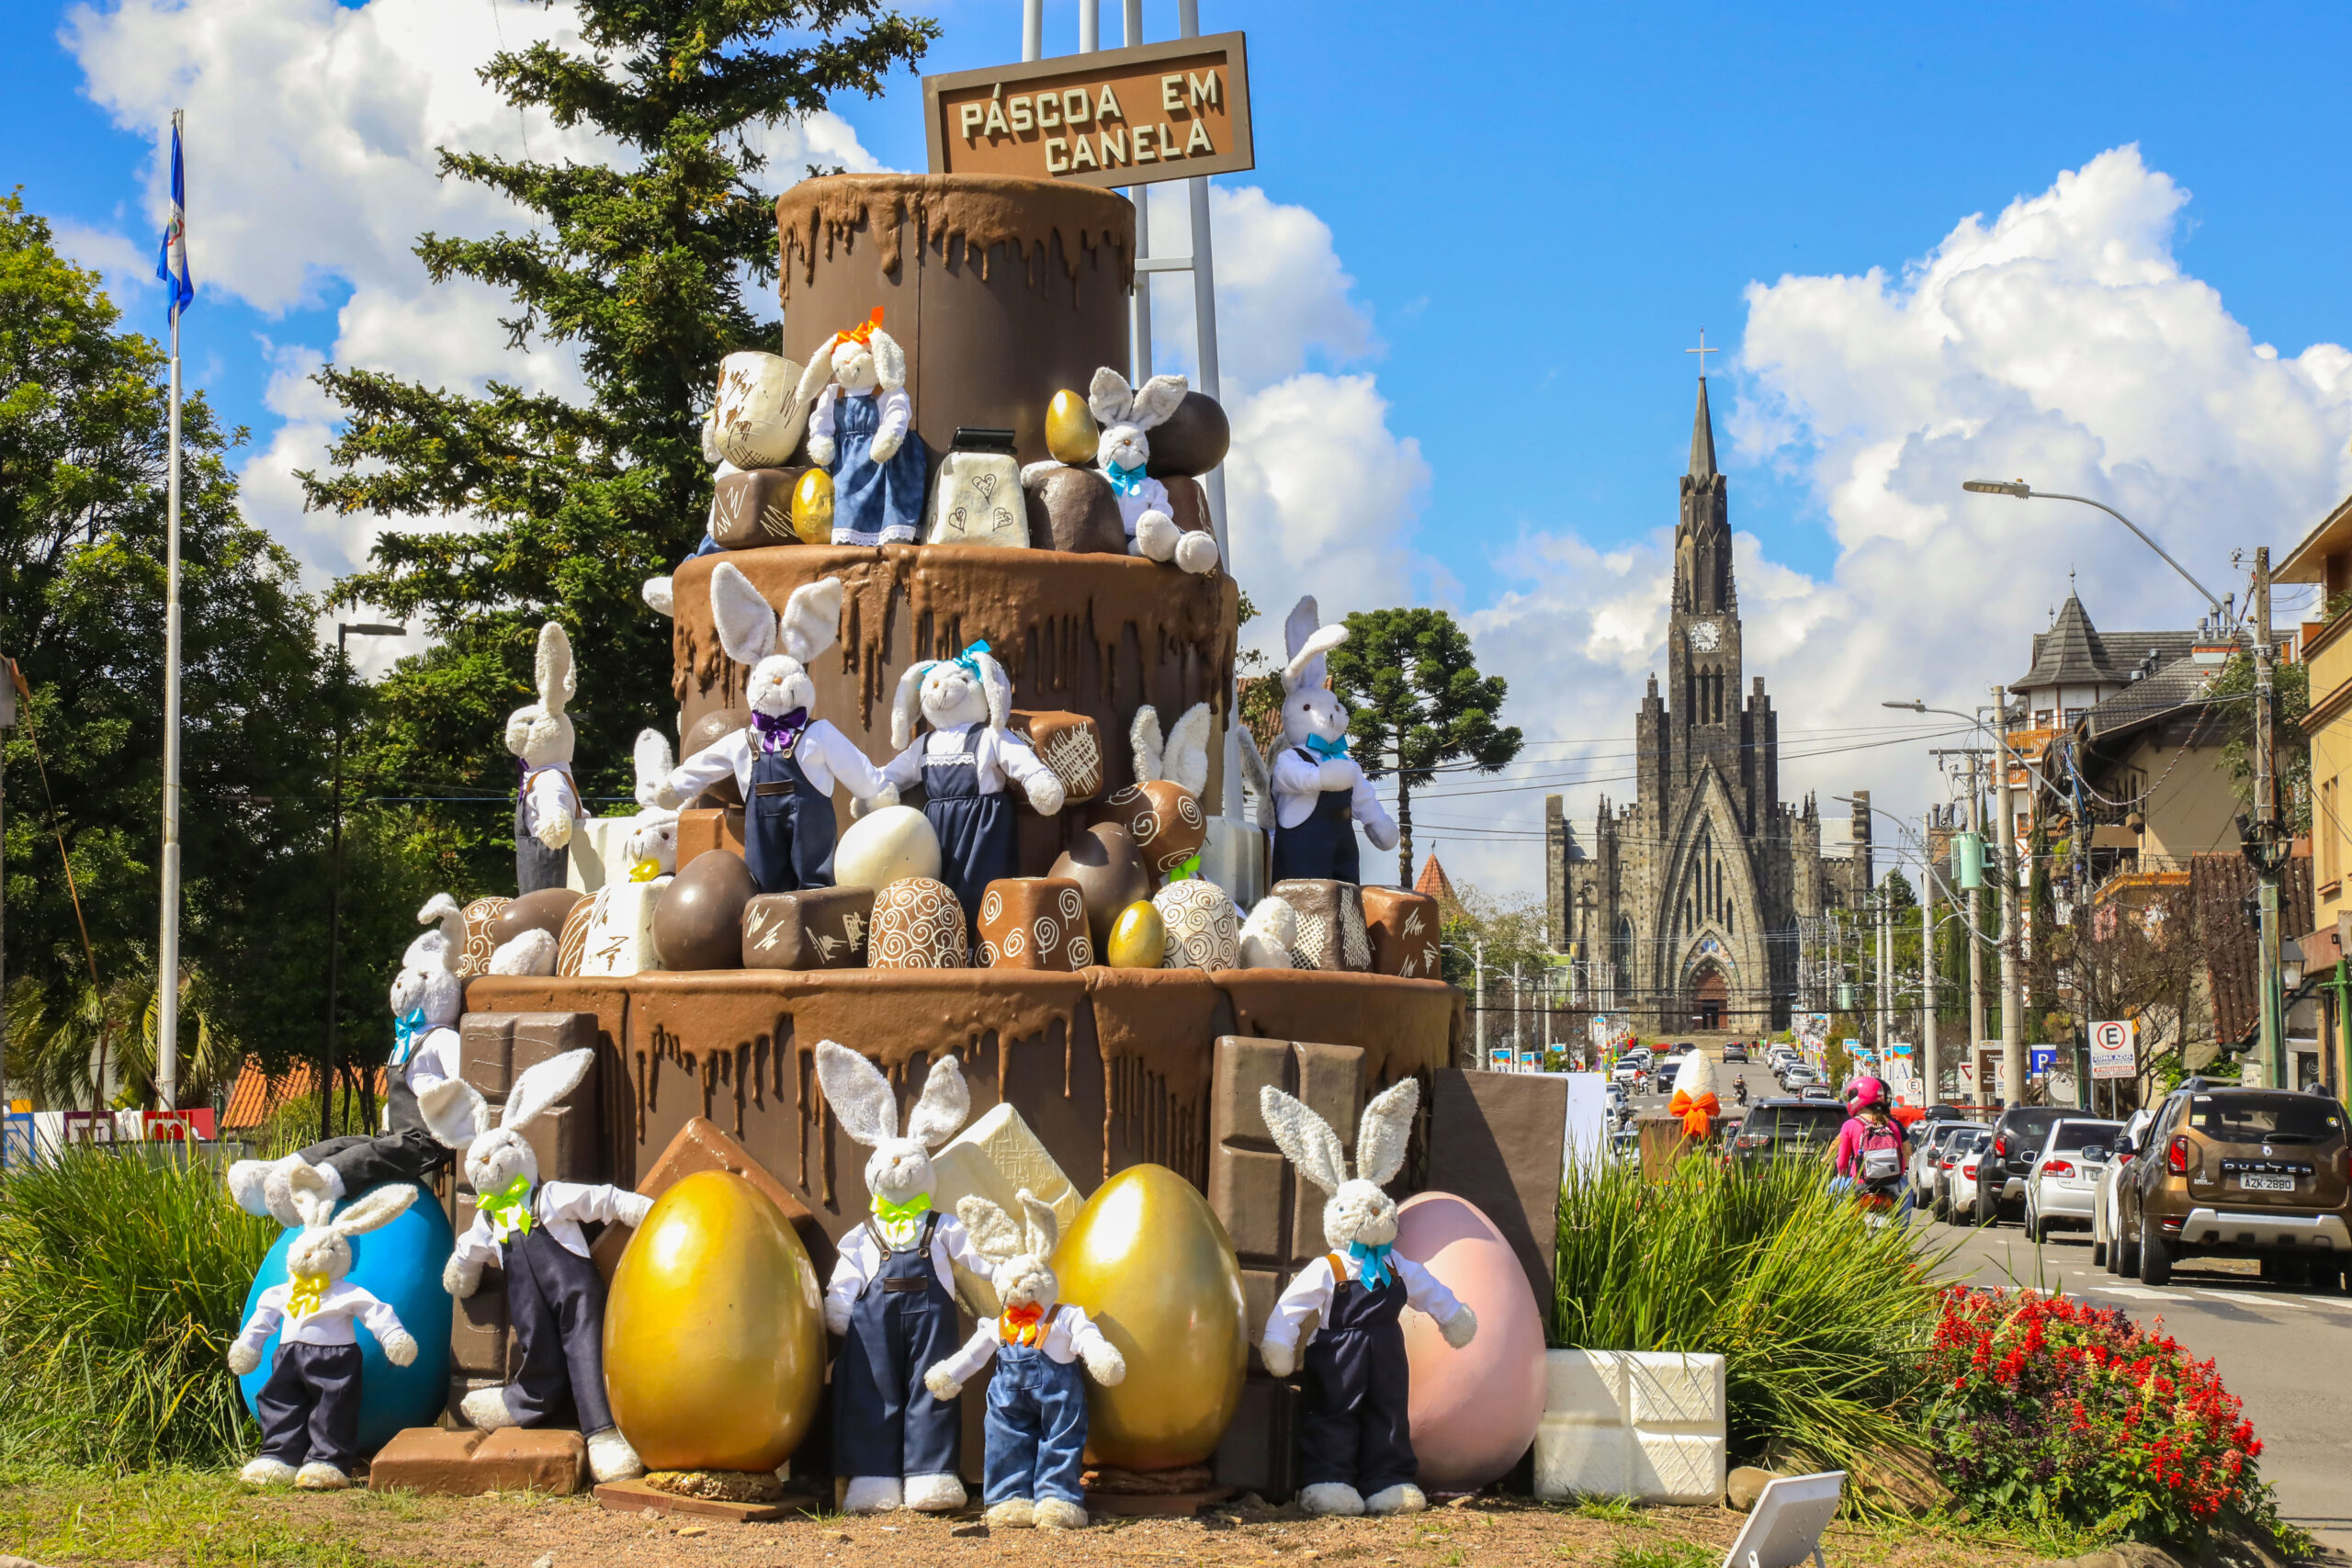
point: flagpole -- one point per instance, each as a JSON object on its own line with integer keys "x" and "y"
{"x": 167, "y": 959}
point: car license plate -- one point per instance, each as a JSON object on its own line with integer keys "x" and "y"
{"x": 2267, "y": 1184}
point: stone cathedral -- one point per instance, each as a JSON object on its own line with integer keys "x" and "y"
{"x": 1689, "y": 908}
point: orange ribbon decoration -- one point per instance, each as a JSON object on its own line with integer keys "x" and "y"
{"x": 1695, "y": 1113}
{"x": 1018, "y": 1326}
{"x": 861, "y": 334}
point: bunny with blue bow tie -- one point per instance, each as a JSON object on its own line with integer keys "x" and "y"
{"x": 1319, "y": 792}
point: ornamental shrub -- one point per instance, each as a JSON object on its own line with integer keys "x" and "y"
{"x": 2076, "y": 1415}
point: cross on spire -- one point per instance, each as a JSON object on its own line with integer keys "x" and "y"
{"x": 1703, "y": 351}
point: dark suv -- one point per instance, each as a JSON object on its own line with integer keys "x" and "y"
{"x": 1796, "y": 1129}
{"x": 2239, "y": 1173}
{"x": 2001, "y": 1170}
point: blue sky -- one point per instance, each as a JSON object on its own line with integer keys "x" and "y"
{"x": 1539, "y": 207}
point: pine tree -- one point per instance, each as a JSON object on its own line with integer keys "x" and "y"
{"x": 1419, "y": 704}
{"x": 648, "y": 267}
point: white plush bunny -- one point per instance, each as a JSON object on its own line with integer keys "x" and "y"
{"x": 1270, "y": 935}
{"x": 1319, "y": 791}
{"x": 1355, "y": 1295}
{"x": 1037, "y": 1415}
{"x": 309, "y": 1407}
{"x": 555, "y": 1297}
{"x": 788, "y": 761}
{"x": 892, "y": 1293}
{"x": 547, "y": 802}
{"x": 1122, "y": 451}
{"x": 860, "y": 430}
{"x": 651, "y": 847}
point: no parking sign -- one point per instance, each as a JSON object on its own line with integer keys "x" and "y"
{"x": 2111, "y": 1049}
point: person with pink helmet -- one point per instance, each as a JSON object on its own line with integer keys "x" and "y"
{"x": 1868, "y": 1158}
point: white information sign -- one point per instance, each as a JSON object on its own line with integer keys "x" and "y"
{"x": 2111, "y": 1049}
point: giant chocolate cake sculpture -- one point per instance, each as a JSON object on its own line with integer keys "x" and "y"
{"x": 1002, "y": 292}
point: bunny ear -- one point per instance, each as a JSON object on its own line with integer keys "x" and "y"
{"x": 314, "y": 1205}
{"x": 1158, "y": 399}
{"x": 1304, "y": 1138}
{"x": 652, "y": 759}
{"x": 710, "y": 452}
{"x": 991, "y": 1228}
{"x": 1187, "y": 757}
{"x": 552, "y": 669}
{"x": 1110, "y": 396}
{"x": 746, "y": 624}
{"x": 1300, "y": 625}
{"x": 1043, "y": 1227}
{"x": 1306, "y": 666}
{"x": 454, "y": 1112}
{"x": 812, "y": 618}
{"x": 536, "y": 1093}
{"x": 906, "y": 706}
{"x": 859, "y": 1094}
{"x": 945, "y": 1103}
{"x": 377, "y": 1207}
{"x": 889, "y": 359}
{"x": 1144, "y": 737}
{"x": 997, "y": 687}
{"x": 1386, "y": 1128}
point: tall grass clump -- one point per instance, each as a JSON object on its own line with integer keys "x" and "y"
{"x": 122, "y": 1278}
{"x": 1822, "y": 1321}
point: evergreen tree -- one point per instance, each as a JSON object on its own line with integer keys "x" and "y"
{"x": 1419, "y": 704}
{"x": 649, "y": 268}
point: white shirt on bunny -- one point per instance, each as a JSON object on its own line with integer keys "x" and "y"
{"x": 1309, "y": 1296}
{"x": 999, "y": 755}
{"x": 1298, "y": 784}
{"x": 896, "y": 412}
{"x": 329, "y": 1323}
{"x": 1067, "y": 1332}
{"x": 861, "y": 1255}
{"x": 823, "y": 752}
{"x": 561, "y": 1206}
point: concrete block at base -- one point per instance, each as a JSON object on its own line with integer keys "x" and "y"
{"x": 1577, "y": 1458}
{"x": 1589, "y": 1384}
{"x": 547, "y": 1461}
{"x": 1678, "y": 1467}
{"x": 425, "y": 1459}
{"x": 1641, "y": 1425}
{"x": 1674, "y": 1391}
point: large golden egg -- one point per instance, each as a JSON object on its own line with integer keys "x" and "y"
{"x": 812, "y": 507}
{"x": 1071, "y": 433}
{"x": 1149, "y": 1261}
{"x": 714, "y": 1331}
{"x": 1138, "y": 938}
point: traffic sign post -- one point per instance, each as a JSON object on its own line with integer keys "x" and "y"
{"x": 2111, "y": 1049}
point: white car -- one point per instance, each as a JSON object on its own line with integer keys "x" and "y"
{"x": 2103, "y": 1215}
{"x": 1927, "y": 1160}
{"x": 1627, "y": 1075}
{"x": 1958, "y": 1166}
{"x": 2062, "y": 1187}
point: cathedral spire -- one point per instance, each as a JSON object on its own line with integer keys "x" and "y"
{"x": 1702, "y": 438}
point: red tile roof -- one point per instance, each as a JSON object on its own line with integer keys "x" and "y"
{"x": 256, "y": 1096}
{"x": 1434, "y": 883}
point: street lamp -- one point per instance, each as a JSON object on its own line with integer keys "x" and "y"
{"x": 2025, "y": 491}
{"x": 344, "y": 632}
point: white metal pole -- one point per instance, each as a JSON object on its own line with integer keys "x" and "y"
{"x": 1032, "y": 30}
{"x": 1931, "y": 1061}
{"x": 167, "y": 949}
{"x": 1089, "y": 26}
{"x": 2012, "y": 992}
{"x": 1139, "y": 310}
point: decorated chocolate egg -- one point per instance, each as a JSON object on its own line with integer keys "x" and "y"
{"x": 1164, "y": 819}
{"x": 1109, "y": 872}
{"x": 1475, "y": 1410}
{"x": 1190, "y": 441}
{"x": 812, "y": 507}
{"x": 698, "y": 924}
{"x": 1201, "y": 932}
{"x": 1071, "y": 434}
{"x": 1151, "y": 1264}
{"x": 917, "y": 924}
{"x": 887, "y": 846}
{"x": 714, "y": 1331}
{"x": 401, "y": 1265}
{"x": 1138, "y": 938}
{"x": 545, "y": 911}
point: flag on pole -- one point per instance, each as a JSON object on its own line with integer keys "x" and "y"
{"x": 171, "y": 262}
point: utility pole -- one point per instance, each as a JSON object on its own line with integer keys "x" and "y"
{"x": 2268, "y": 849}
{"x": 1885, "y": 969}
{"x": 1976, "y": 923}
{"x": 1930, "y": 1064}
{"x": 2012, "y": 996}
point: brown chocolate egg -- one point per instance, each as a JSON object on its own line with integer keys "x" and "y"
{"x": 1138, "y": 938}
{"x": 545, "y": 911}
{"x": 1110, "y": 877}
{"x": 1162, "y": 818}
{"x": 812, "y": 507}
{"x": 714, "y": 1331}
{"x": 699, "y": 923}
{"x": 1071, "y": 434}
{"x": 1151, "y": 1264}
{"x": 1190, "y": 441}
{"x": 717, "y": 724}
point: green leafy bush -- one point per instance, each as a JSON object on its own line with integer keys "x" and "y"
{"x": 122, "y": 1278}
{"x": 1821, "y": 1319}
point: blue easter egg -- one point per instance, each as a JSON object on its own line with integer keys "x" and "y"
{"x": 401, "y": 1264}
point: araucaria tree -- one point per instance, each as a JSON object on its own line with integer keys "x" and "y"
{"x": 650, "y": 267}
{"x": 1420, "y": 705}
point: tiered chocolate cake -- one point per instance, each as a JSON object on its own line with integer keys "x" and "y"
{"x": 1002, "y": 293}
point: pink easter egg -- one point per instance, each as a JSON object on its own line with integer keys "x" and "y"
{"x": 1473, "y": 1411}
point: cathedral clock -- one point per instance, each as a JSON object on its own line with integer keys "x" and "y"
{"x": 1706, "y": 636}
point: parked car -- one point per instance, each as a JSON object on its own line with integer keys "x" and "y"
{"x": 1959, "y": 1166}
{"x": 1787, "y": 1128}
{"x": 1735, "y": 1052}
{"x": 1625, "y": 1146}
{"x": 2062, "y": 1187}
{"x": 1929, "y": 1142}
{"x": 2103, "y": 1229}
{"x": 1626, "y": 1075}
{"x": 2019, "y": 1134}
{"x": 2239, "y": 1173}
{"x": 1818, "y": 1091}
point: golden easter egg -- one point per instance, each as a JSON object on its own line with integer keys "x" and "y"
{"x": 812, "y": 507}
{"x": 1138, "y": 938}
{"x": 714, "y": 1331}
{"x": 1151, "y": 1264}
{"x": 1071, "y": 433}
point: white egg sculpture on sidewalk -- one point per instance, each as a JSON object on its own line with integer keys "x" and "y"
{"x": 1473, "y": 1411}
{"x": 885, "y": 846}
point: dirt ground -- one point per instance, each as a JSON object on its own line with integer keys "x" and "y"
{"x": 517, "y": 1531}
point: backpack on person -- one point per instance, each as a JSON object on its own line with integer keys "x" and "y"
{"x": 1878, "y": 1163}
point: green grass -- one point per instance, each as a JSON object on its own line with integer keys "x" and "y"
{"x": 1673, "y": 1554}
{"x": 1819, "y": 1318}
{"x": 193, "y": 1518}
{"x": 122, "y": 1279}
